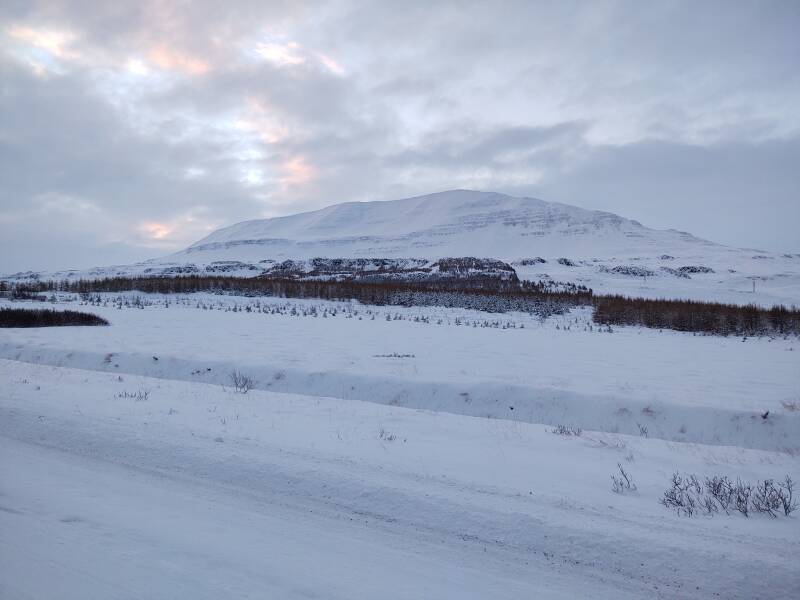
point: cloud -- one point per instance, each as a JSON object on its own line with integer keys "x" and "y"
{"x": 140, "y": 126}
{"x": 737, "y": 193}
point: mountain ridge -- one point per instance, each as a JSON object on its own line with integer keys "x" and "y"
{"x": 449, "y": 223}
{"x": 541, "y": 241}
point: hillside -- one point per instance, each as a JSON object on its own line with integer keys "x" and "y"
{"x": 452, "y": 223}
{"x": 540, "y": 240}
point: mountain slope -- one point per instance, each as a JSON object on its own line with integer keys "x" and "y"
{"x": 453, "y": 223}
{"x": 541, "y": 240}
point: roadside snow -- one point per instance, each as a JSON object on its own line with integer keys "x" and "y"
{"x": 201, "y": 492}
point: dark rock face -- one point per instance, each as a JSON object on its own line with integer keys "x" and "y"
{"x": 394, "y": 269}
{"x": 675, "y": 272}
{"x": 629, "y": 270}
{"x": 694, "y": 269}
{"x": 476, "y": 267}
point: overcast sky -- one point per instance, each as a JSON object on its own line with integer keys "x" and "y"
{"x": 131, "y": 129}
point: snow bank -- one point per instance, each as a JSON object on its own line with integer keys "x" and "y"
{"x": 676, "y": 386}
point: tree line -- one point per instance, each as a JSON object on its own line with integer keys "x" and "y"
{"x": 22, "y": 317}
{"x": 542, "y": 298}
{"x": 388, "y": 292}
{"x": 696, "y": 316}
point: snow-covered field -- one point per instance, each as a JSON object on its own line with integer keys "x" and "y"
{"x": 564, "y": 370}
{"x": 736, "y": 277}
{"x": 384, "y": 452}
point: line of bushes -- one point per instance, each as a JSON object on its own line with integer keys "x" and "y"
{"x": 691, "y": 315}
{"x": 539, "y": 298}
{"x": 542, "y": 298}
{"x": 22, "y": 317}
{"x": 312, "y": 288}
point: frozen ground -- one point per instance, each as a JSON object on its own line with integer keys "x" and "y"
{"x": 563, "y": 370}
{"x": 734, "y": 271}
{"x": 204, "y": 493}
{"x": 363, "y": 464}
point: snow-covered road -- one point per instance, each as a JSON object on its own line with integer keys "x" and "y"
{"x": 117, "y": 531}
{"x": 200, "y": 493}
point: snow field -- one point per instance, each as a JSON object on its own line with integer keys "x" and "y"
{"x": 383, "y": 452}
{"x": 198, "y": 490}
{"x": 563, "y": 370}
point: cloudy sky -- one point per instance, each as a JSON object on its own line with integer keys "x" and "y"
{"x": 130, "y": 129}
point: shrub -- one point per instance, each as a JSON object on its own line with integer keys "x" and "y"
{"x": 21, "y": 317}
{"x": 567, "y": 430}
{"x": 741, "y": 497}
{"x": 623, "y": 482}
{"x": 766, "y": 498}
{"x": 786, "y": 495}
{"x": 386, "y": 436}
{"x": 683, "y": 494}
{"x": 137, "y": 396}
{"x": 719, "y": 493}
{"x": 241, "y": 383}
{"x": 720, "y": 489}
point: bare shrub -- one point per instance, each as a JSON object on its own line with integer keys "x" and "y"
{"x": 567, "y": 430}
{"x": 766, "y": 498}
{"x": 710, "y": 505}
{"x": 241, "y": 383}
{"x": 137, "y": 396}
{"x": 386, "y": 436}
{"x": 623, "y": 482}
{"x": 643, "y": 431}
{"x": 741, "y": 497}
{"x": 683, "y": 495}
{"x": 720, "y": 488}
{"x": 786, "y": 494}
{"x": 720, "y": 493}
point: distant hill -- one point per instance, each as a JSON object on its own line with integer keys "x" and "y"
{"x": 540, "y": 240}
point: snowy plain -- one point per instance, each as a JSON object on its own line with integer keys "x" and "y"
{"x": 563, "y": 370}
{"x": 201, "y": 492}
{"x": 383, "y": 452}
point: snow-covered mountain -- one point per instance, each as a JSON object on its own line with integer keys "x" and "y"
{"x": 541, "y": 240}
{"x": 453, "y": 223}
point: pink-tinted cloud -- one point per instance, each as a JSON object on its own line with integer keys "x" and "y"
{"x": 297, "y": 171}
{"x": 173, "y": 59}
{"x": 332, "y": 65}
{"x": 154, "y": 230}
